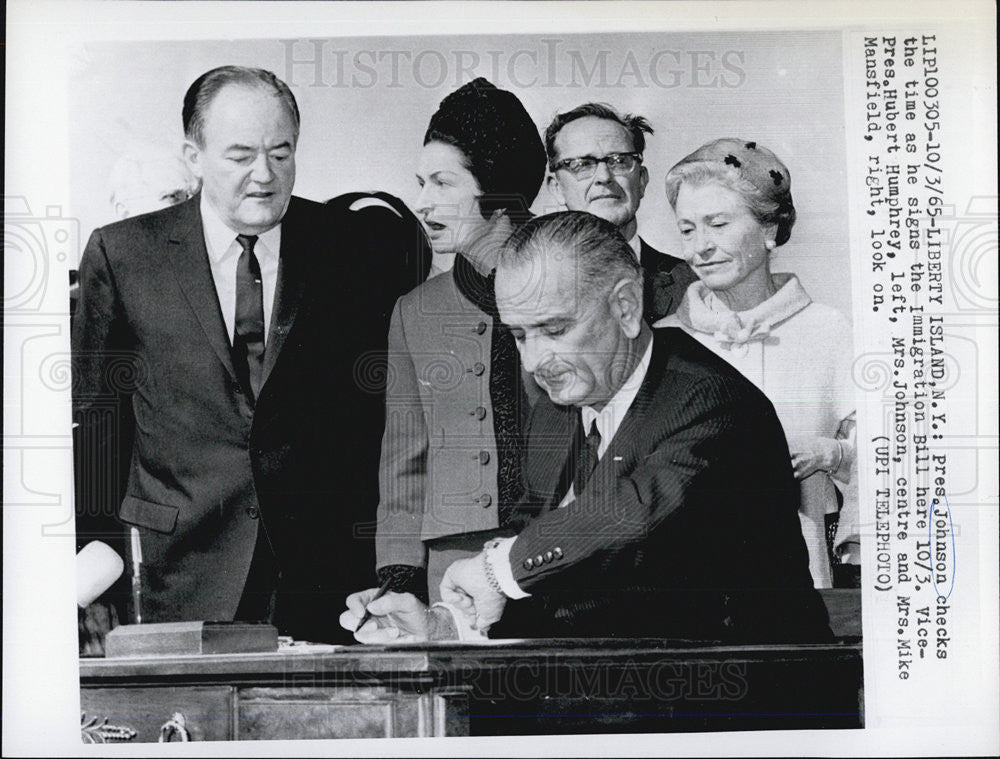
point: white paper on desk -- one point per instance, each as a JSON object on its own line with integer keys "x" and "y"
{"x": 299, "y": 647}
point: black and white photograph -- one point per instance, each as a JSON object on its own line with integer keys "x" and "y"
{"x": 608, "y": 374}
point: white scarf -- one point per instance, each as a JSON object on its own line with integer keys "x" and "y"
{"x": 703, "y": 311}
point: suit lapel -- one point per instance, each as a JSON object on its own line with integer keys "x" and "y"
{"x": 188, "y": 259}
{"x": 288, "y": 291}
{"x": 628, "y": 440}
{"x": 658, "y": 290}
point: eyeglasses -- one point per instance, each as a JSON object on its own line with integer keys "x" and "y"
{"x": 585, "y": 166}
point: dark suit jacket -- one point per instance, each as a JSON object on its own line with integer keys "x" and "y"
{"x": 208, "y": 468}
{"x": 389, "y": 239}
{"x": 389, "y": 256}
{"x": 666, "y": 280}
{"x": 687, "y": 528}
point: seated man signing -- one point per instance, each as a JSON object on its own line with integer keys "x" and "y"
{"x": 660, "y": 501}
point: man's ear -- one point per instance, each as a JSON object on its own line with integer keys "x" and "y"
{"x": 192, "y": 157}
{"x": 556, "y": 189}
{"x": 643, "y": 181}
{"x": 625, "y": 301}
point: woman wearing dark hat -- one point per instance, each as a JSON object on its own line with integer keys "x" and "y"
{"x": 733, "y": 204}
{"x": 479, "y": 171}
{"x": 455, "y": 402}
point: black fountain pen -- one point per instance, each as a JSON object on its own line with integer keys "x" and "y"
{"x": 382, "y": 590}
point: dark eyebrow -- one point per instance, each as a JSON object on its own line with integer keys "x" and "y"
{"x": 552, "y": 320}
{"x": 593, "y": 157}
{"x": 252, "y": 148}
{"x": 541, "y": 324}
{"x": 435, "y": 174}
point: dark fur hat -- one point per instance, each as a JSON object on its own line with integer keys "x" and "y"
{"x": 500, "y": 142}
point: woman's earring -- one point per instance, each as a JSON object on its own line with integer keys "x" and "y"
{"x": 769, "y": 244}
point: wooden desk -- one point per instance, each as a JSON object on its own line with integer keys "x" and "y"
{"x": 514, "y": 687}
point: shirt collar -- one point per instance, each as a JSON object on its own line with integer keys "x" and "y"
{"x": 610, "y": 417}
{"x": 219, "y": 237}
{"x": 636, "y": 245}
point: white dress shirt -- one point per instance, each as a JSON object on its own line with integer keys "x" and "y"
{"x": 608, "y": 421}
{"x": 224, "y": 254}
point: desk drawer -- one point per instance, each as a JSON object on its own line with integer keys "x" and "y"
{"x": 289, "y": 712}
{"x": 207, "y": 711}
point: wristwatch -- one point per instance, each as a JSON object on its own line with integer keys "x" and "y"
{"x": 491, "y": 577}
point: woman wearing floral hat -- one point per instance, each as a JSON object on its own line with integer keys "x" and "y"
{"x": 733, "y": 203}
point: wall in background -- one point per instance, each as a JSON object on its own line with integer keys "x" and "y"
{"x": 365, "y": 104}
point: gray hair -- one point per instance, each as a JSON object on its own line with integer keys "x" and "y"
{"x": 750, "y": 170}
{"x": 204, "y": 89}
{"x": 602, "y": 256}
{"x": 130, "y": 172}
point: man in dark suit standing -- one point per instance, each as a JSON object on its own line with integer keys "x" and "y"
{"x": 660, "y": 499}
{"x": 215, "y": 312}
{"x": 595, "y": 160}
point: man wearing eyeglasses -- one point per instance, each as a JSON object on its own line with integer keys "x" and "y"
{"x": 595, "y": 160}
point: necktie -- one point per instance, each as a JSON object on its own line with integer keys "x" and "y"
{"x": 248, "y": 341}
{"x": 586, "y": 459}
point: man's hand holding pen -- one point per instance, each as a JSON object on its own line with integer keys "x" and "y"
{"x": 380, "y": 616}
{"x": 394, "y": 618}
